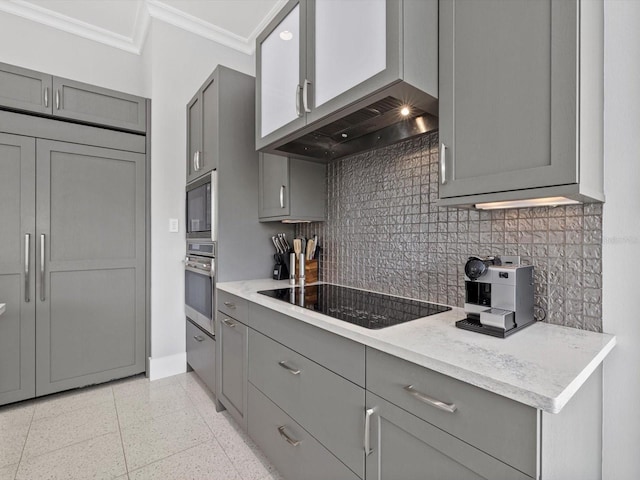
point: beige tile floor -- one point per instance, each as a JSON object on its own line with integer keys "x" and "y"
{"x": 131, "y": 429}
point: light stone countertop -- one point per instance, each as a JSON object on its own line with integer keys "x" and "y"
{"x": 3, "y": 306}
{"x": 542, "y": 366}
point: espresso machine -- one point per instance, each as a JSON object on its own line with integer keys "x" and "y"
{"x": 498, "y": 295}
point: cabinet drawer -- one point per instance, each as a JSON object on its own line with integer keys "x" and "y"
{"x": 500, "y": 427}
{"x": 325, "y": 404}
{"x": 270, "y": 428}
{"x": 340, "y": 355}
{"x": 233, "y": 306}
{"x": 201, "y": 355}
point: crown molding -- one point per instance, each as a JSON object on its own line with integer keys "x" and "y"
{"x": 74, "y": 26}
{"x": 147, "y": 9}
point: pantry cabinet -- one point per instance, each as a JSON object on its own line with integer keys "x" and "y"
{"x": 318, "y": 57}
{"x": 521, "y": 100}
{"x": 36, "y": 92}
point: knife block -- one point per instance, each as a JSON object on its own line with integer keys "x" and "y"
{"x": 310, "y": 271}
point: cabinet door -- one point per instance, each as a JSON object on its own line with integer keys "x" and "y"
{"x": 194, "y": 137}
{"x": 99, "y": 106}
{"x": 201, "y": 354}
{"x": 210, "y": 127}
{"x": 280, "y": 73}
{"x": 232, "y": 384}
{"x": 24, "y": 89}
{"x": 508, "y": 86}
{"x": 403, "y": 446}
{"x": 353, "y": 50}
{"x": 90, "y": 240}
{"x": 17, "y": 288}
{"x": 274, "y": 186}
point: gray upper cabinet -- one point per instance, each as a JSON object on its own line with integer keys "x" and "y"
{"x": 203, "y": 132}
{"x": 319, "y": 57}
{"x": 521, "y": 97}
{"x": 23, "y": 89}
{"x": 291, "y": 189}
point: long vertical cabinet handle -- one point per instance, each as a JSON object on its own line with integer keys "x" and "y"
{"x": 443, "y": 164}
{"x": 282, "y": 196}
{"x": 46, "y": 96}
{"x": 305, "y": 95}
{"x": 57, "y": 99}
{"x": 367, "y": 431}
{"x": 27, "y": 267}
{"x": 42, "y": 276}
{"x": 298, "y": 93}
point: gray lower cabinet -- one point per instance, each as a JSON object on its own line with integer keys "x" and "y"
{"x": 72, "y": 264}
{"x": 231, "y": 388}
{"x": 291, "y": 189}
{"x": 17, "y": 268}
{"x": 294, "y": 452}
{"x": 521, "y": 100}
{"x": 402, "y": 446}
{"x": 201, "y": 354}
{"x": 36, "y": 92}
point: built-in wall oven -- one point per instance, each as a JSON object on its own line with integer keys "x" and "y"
{"x": 200, "y": 283}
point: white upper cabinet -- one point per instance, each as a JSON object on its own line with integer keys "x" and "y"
{"x": 323, "y": 59}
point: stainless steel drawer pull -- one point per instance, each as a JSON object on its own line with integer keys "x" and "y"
{"x": 57, "y": 99}
{"x": 305, "y": 95}
{"x": 289, "y": 440}
{"x": 42, "y": 275}
{"x": 228, "y": 323}
{"x": 291, "y": 370}
{"x": 46, "y": 96}
{"x": 229, "y": 305}
{"x": 298, "y": 92}
{"x": 282, "y": 196}
{"x": 367, "y": 431}
{"x": 27, "y": 267}
{"x": 443, "y": 164}
{"x": 447, "y": 407}
{"x": 199, "y": 338}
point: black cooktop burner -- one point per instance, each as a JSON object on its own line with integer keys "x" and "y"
{"x": 367, "y": 309}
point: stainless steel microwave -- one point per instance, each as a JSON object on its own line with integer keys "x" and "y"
{"x": 201, "y": 208}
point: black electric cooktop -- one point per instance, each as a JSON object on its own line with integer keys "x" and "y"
{"x": 366, "y": 309}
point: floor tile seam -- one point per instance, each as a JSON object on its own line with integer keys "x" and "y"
{"x": 168, "y": 384}
{"x": 24, "y": 444}
{"x": 123, "y": 400}
{"x": 124, "y": 454}
{"x": 168, "y": 456}
{"x": 27, "y": 459}
{"x": 38, "y": 420}
{"x": 233, "y": 464}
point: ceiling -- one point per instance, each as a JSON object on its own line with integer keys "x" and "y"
{"x": 124, "y": 23}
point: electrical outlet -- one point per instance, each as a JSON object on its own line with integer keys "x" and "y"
{"x": 173, "y": 225}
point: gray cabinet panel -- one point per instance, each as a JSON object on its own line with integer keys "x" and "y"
{"x": 17, "y": 288}
{"x": 322, "y": 402}
{"x": 211, "y": 124}
{"x": 231, "y": 388}
{"x": 90, "y": 306}
{"x": 340, "y": 355}
{"x": 201, "y": 354}
{"x": 194, "y": 136}
{"x": 501, "y": 427}
{"x": 510, "y": 99}
{"x": 269, "y": 427}
{"x": 292, "y": 189}
{"x": 25, "y": 89}
{"x": 97, "y": 105}
{"x": 403, "y": 446}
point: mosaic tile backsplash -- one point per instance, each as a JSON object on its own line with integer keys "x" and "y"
{"x": 385, "y": 233}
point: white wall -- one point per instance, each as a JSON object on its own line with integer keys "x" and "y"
{"x": 621, "y": 235}
{"x": 177, "y": 63}
{"x": 31, "y": 45}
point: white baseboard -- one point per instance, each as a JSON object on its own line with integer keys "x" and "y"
{"x": 161, "y": 367}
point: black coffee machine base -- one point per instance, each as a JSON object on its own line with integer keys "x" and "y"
{"x": 476, "y": 326}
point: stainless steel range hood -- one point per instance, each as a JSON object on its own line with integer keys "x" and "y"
{"x": 371, "y": 123}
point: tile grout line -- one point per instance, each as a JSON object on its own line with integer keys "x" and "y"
{"x": 124, "y": 454}
{"x": 168, "y": 456}
{"x": 15, "y": 475}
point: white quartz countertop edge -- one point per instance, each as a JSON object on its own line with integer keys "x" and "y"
{"x": 542, "y": 366}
